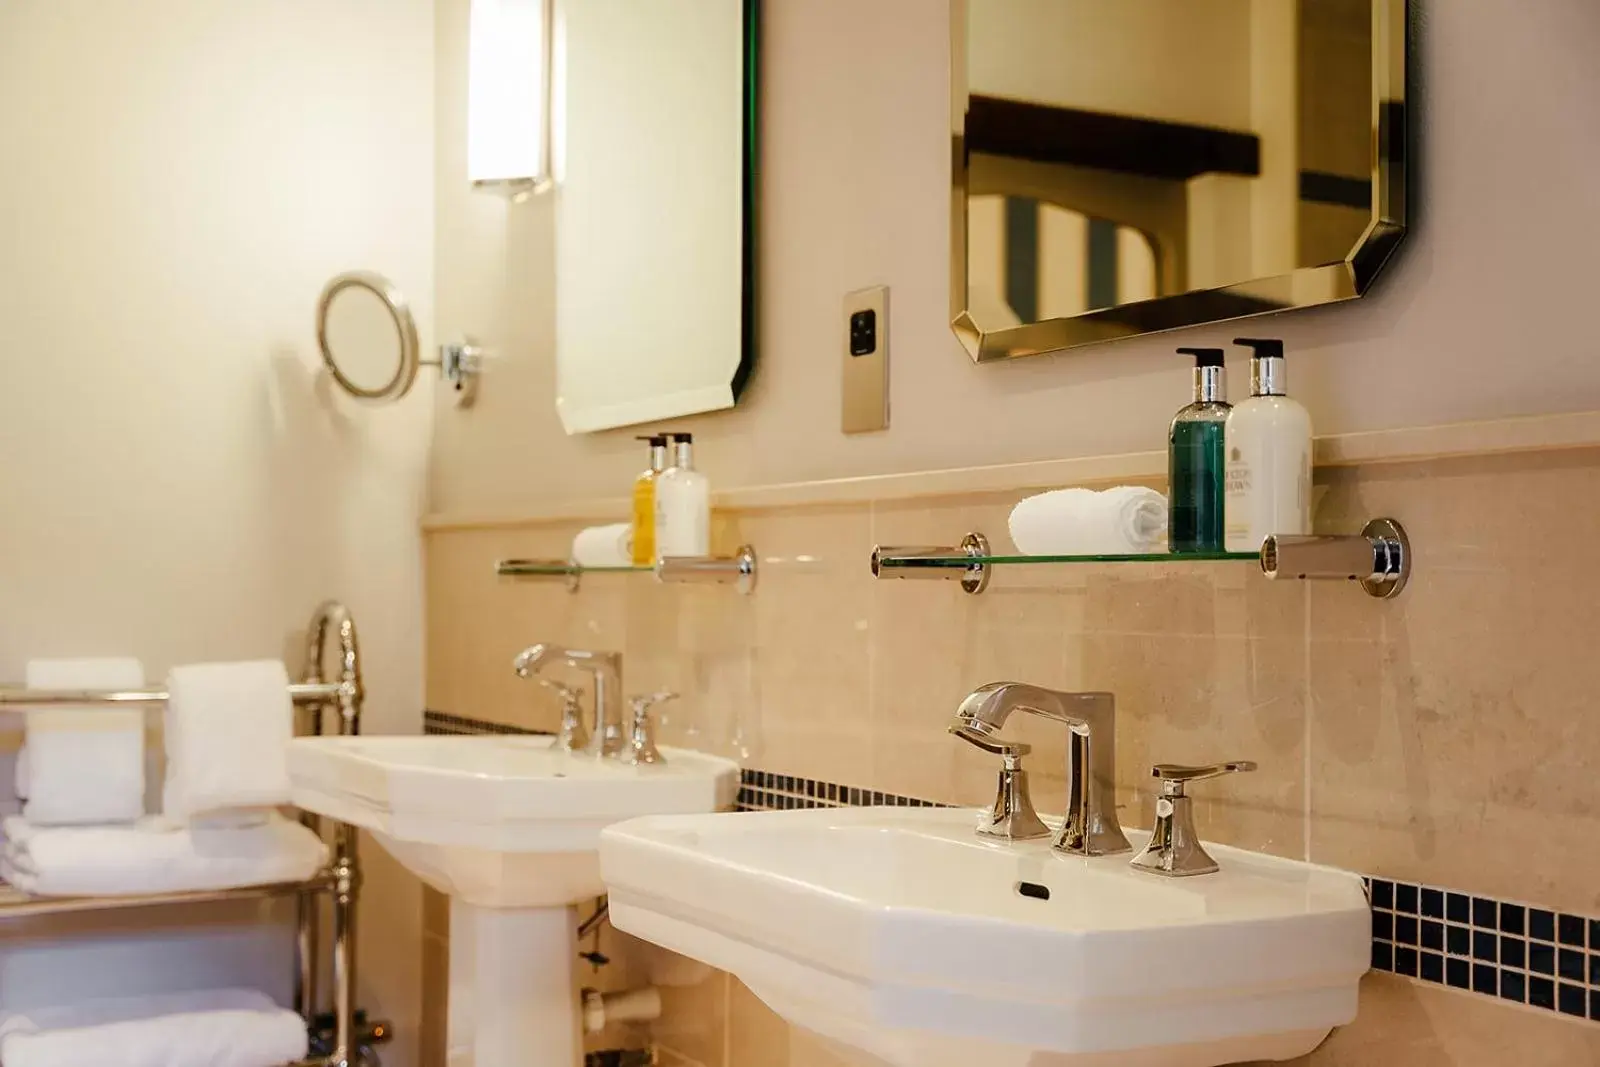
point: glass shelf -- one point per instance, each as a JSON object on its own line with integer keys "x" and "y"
{"x": 1379, "y": 558}
{"x": 961, "y": 562}
{"x": 550, "y": 568}
{"x": 513, "y": 568}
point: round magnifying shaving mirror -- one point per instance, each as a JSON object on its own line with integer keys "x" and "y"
{"x": 367, "y": 336}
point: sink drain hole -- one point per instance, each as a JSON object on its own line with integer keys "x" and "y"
{"x": 1034, "y": 890}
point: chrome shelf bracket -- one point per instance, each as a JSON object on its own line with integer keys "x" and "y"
{"x": 899, "y": 561}
{"x": 1379, "y": 557}
{"x": 738, "y": 570}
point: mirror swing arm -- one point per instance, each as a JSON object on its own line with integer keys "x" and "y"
{"x": 459, "y": 364}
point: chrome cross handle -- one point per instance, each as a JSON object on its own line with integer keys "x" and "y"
{"x": 641, "y": 746}
{"x": 573, "y": 735}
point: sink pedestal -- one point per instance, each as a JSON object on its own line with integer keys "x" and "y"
{"x": 513, "y": 998}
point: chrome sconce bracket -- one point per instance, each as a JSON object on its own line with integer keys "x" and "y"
{"x": 738, "y": 570}
{"x": 935, "y": 562}
{"x": 1379, "y": 557}
{"x": 462, "y": 366}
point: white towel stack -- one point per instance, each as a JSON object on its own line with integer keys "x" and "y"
{"x": 155, "y": 855}
{"x": 1127, "y": 520}
{"x": 228, "y": 728}
{"x": 209, "y": 1028}
{"x": 82, "y": 764}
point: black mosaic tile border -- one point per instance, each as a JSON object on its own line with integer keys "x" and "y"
{"x": 765, "y": 791}
{"x": 1505, "y": 950}
{"x": 1516, "y": 952}
{"x": 442, "y": 723}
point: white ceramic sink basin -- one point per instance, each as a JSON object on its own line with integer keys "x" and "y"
{"x": 497, "y": 821}
{"x": 509, "y": 827}
{"x": 904, "y": 939}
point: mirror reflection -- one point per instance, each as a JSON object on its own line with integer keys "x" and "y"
{"x": 367, "y": 336}
{"x": 363, "y": 337}
{"x": 655, "y": 263}
{"x": 1150, "y": 164}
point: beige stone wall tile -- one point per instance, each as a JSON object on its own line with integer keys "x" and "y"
{"x": 1452, "y": 717}
{"x": 1409, "y": 1024}
{"x": 757, "y": 1037}
{"x": 1203, "y": 699}
{"x": 694, "y": 1020}
{"x": 434, "y": 1042}
{"x": 811, "y": 653}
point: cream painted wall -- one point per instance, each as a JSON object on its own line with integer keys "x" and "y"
{"x": 180, "y": 178}
{"x": 1486, "y": 314}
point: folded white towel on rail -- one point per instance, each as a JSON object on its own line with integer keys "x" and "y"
{"x": 83, "y": 764}
{"x": 1126, "y": 520}
{"x": 604, "y": 546}
{"x": 208, "y": 1028}
{"x": 155, "y": 855}
{"x": 228, "y": 727}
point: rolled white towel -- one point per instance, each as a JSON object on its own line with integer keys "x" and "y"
{"x": 1126, "y": 520}
{"x": 604, "y": 546}
{"x": 83, "y": 764}
{"x": 206, "y": 1028}
{"x": 155, "y": 855}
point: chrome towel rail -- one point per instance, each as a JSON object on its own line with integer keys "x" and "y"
{"x": 340, "y": 881}
{"x": 16, "y": 698}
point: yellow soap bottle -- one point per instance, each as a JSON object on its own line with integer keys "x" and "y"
{"x": 644, "y": 503}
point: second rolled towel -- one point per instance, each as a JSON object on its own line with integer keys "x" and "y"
{"x": 1126, "y": 520}
{"x": 604, "y": 546}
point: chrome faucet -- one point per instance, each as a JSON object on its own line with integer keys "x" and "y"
{"x": 605, "y": 737}
{"x": 1090, "y": 827}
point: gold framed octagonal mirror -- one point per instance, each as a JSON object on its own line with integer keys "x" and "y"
{"x": 1130, "y": 167}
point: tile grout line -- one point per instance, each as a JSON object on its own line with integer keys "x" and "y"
{"x": 1307, "y": 717}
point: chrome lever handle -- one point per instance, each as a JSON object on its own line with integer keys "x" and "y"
{"x": 1011, "y": 751}
{"x": 1174, "y": 776}
{"x": 1174, "y": 850}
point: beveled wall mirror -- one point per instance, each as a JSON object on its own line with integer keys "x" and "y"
{"x": 655, "y": 142}
{"x": 1141, "y": 165}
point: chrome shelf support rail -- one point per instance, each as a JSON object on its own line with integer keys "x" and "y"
{"x": 1379, "y": 558}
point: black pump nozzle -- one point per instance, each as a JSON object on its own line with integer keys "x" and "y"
{"x": 657, "y": 440}
{"x": 1264, "y": 347}
{"x": 1204, "y": 357}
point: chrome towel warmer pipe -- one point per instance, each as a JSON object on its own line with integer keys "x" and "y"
{"x": 314, "y": 696}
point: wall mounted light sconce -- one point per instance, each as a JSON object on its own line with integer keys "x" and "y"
{"x": 510, "y": 75}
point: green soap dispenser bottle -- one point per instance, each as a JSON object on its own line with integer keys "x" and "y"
{"x": 1197, "y": 459}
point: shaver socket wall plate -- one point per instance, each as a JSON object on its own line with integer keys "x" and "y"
{"x": 864, "y": 394}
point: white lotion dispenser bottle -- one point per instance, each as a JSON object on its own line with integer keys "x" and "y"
{"x": 683, "y": 504}
{"x": 1268, "y": 443}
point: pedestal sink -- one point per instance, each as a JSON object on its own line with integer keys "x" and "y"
{"x": 902, "y": 938}
{"x": 509, "y": 828}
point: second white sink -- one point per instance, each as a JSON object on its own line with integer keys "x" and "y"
{"x": 497, "y": 821}
{"x": 905, "y": 939}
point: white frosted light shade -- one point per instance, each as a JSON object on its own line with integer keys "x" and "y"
{"x": 506, "y": 91}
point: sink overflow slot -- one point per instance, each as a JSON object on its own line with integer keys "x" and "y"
{"x": 1034, "y": 890}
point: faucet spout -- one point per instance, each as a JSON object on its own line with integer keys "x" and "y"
{"x": 1091, "y": 827}
{"x": 605, "y": 739}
